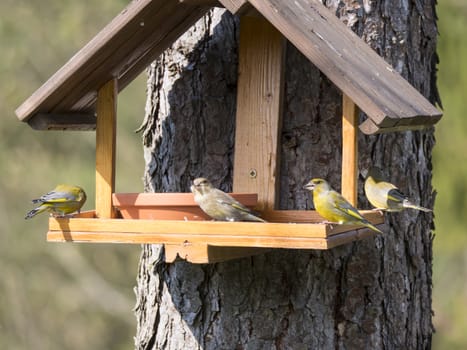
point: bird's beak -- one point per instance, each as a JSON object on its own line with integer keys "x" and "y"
{"x": 309, "y": 186}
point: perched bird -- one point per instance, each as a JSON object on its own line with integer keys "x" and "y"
{"x": 63, "y": 200}
{"x": 219, "y": 205}
{"x": 384, "y": 195}
{"x": 335, "y": 208}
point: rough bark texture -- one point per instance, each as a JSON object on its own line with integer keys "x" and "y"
{"x": 371, "y": 294}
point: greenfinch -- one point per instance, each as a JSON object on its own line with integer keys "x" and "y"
{"x": 63, "y": 200}
{"x": 219, "y": 205}
{"x": 335, "y": 208}
{"x": 384, "y": 195}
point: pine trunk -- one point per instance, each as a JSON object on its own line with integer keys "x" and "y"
{"x": 370, "y": 294}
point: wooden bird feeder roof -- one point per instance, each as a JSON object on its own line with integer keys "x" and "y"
{"x": 141, "y": 32}
{"x": 82, "y": 96}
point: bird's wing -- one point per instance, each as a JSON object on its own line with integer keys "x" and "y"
{"x": 342, "y": 205}
{"x": 234, "y": 204}
{"x": 396, "y": 196}
{"x": 57, "y": 197}
{"x": 228, "y": 201}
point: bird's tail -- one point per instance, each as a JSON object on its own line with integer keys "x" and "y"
{"x": 372, "y": 227}
{"x": 408, "y": 204}
{"x": 252, "y": 217}
{"x": 34, "y": 212}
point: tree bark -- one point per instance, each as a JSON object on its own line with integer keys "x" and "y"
{"x": 371, "y": 294}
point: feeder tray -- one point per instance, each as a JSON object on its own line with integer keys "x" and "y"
{"x": 219, "y": 240}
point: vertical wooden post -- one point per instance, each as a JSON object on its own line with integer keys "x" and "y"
{"x": 349, "y": 178}
{"x": 259, "y": 109}
{"x": 106, "y": 130}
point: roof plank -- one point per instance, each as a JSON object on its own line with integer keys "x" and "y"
{"x": 142, "y": 31}
{"x": 122, "y": 50}
{"x": 374, "y": 85}
{"x": 234, "y": 6}
{"x": 72, "y": 121}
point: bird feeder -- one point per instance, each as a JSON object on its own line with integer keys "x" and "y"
{"x": 82, "y": 95}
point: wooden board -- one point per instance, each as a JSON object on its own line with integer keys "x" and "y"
{"x": 203, "y": 253}
{"x": 106, "y": 139}
{"x": 387, "y": 98}
{"x": 259, "y": 109}
{"x": 63, "y": 121}
{"x": 235, "y": 6}
{"x": 141, "y": 32}
{"x": 122, "y": 50}
{"x": 349, "y": 178}
{"x": 216, "y": 233}
{"x": 212, "y": 241}
{"x": 258, "y": 115}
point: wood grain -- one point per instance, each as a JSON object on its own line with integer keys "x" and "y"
{"x": 204, "y": 254}
{"x": 234, "y": 6}
{"x": 63, "y": 121}
{"x": 196, "y": 239}
{"x": 259, "y": 108}
{"x": 123, "y": 49}
{"x": 106, "y": 133}
{"x": 226, "y": 234}
{"x": 349, "y": 179}
{"x": 376, "y": 87}
{"x": 140, "y": 33}
{"x": 172, "y": 199}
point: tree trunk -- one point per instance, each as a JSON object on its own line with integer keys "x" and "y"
{"x": 371, "y": 294}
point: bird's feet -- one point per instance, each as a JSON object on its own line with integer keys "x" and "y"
{"x": 62, "y": 216}
{"x": 330, "y": 223}
{"x": 379, "y": 210}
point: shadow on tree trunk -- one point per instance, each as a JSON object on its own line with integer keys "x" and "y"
{"x": 371, "y": 294}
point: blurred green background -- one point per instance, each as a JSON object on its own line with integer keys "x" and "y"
{"x": 450, "y": 181}
{"x": 54, "y": 295}
{"x": 73, "y": 296}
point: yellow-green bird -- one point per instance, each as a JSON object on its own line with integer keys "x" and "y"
{"x": 219, "y": 205}
{"x": 335, "y": 208}
{"x": 384, "y": 195}
{"x": 63, "y": 200}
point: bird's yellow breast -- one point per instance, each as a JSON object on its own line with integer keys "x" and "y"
{"x": 326, "y": 209}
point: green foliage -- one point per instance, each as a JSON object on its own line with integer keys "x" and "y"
{"x": 450, "y": 174}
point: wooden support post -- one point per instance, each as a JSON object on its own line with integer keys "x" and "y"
{"x": 349, "y": 179}
{"x": 106, "y": 129}
{"x": 259, "y": 109}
